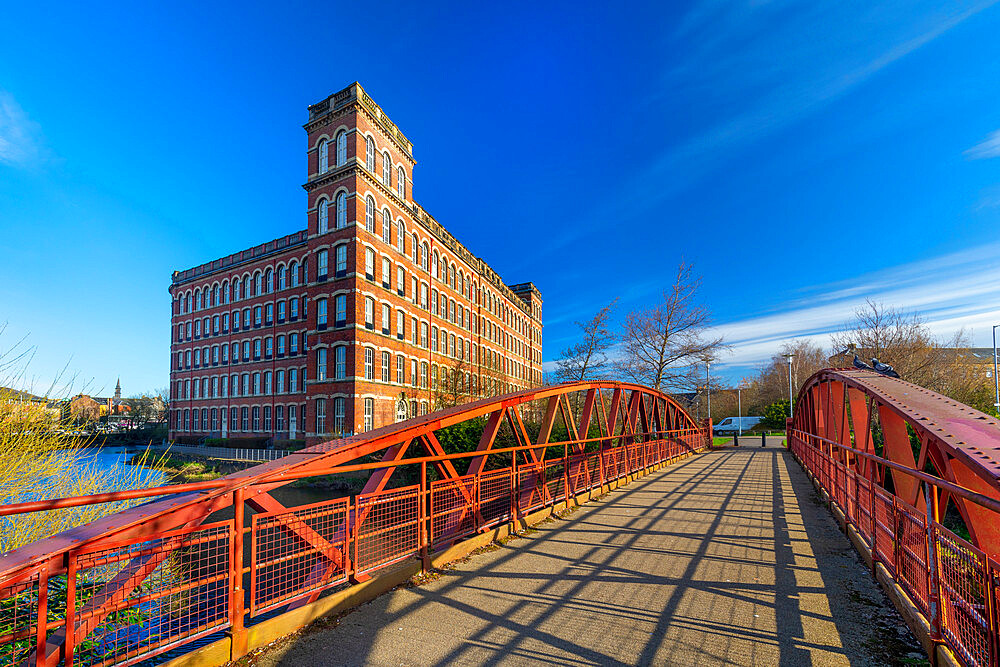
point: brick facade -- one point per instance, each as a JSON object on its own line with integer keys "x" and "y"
{"x": 389, "y": 314}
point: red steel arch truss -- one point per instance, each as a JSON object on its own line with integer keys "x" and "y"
{"x": 194, "y": 561}
{"x": 910, "y": 469}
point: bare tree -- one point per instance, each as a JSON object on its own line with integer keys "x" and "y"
{"x": 771, "y": 382}
{"x": 900, "y": 339}
{"x": 588, "y": 359}
{"x": 663, "y": 345}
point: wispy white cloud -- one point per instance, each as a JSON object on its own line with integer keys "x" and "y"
{"x": 19, "y": 135}
{"x": 952, "y": 292}
{"x": 989, "y": 147}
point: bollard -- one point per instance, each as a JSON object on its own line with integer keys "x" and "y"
{"x": 763, "y": 439}
{"x": 736, "y": 439}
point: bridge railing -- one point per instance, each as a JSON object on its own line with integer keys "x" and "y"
{"x": 176, "y": 579}
{"x": 953, "y": 583}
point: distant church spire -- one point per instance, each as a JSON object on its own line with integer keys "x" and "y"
{"x": 118, "y": 390}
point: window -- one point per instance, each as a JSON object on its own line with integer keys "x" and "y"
{"x": 386, "y": 227}
{"x": 340, "y": 309}
{"x": 401, "y": 183}
{"x": 386, "y": 169}
{"x": 399, "y": 369}
{"x": 324, "y": 216}
{"x": 423, "y": 334}
{"x": 400, "y": 324}
{"x": 370, "y": 154}
{"x": 267, "y": 383}
{"x": 320, "y": 415}
{"x": 370, "y": 214}
{"x": 369, "y": 363}
{"x": 293, "y": 270}
{"x": 267, "y": 417}
{"x": 279, "y": 382}
{"x": 369, "y": 264}
{"x": 341, "y": 210}
{"x": 279, "y": 418}
{"x": 256, "y": 384}
{"x": 321, "y": 364}
{"x": 423, "y": 295}
{"x": 385, "y": 367}
{"x": 434, "y": 339}
{"x": 269, "y": 314}
{"x": 256, "y": 419}
{"x": 324, "y": 156}
{"x": 339, "y": 362}
{"x": 321, "y": 312}
{"x": 386, "y": 273}
{"x": 244, "y": 418}
{"x": 386, "y": 319}
{"x": 423, "y": 256}
{"x": 341, "y": 259}
{"x": 423, "y": 374}
{"x": 413, "y": 372}
{"x": 400, "y": 280}
{"x": 369, "y": 313}
{"x": 293, "y": 344}
{"x": 322, "y": 263}
{"x": 282, "y": 278}
{"x": 338, "y": 414}
{"x": 293, "y": 380}
{"x": 341, "y": 148}
{"x": 293, "y": 308}
{"x": 369, "y": 413}
{"x": 281, "y": 311}
{"x": 291, "y": 420}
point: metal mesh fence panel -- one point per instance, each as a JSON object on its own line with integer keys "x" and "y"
{"x": 135, "y": 599}
{"x": 530, "y": 491}
{"x": 453, "y": 508}
{"x": 964, "y": 586}
{"x": 912, "y": 567}
{"x": 495, "y": 495}
{"x": 387, "y": 528}
{"x": 865, "y": 520}
{"x": 19, "y": 618}
{"x": 885, "y": 529}
{"x": 298, "y": 551}
{"x": 555, "y": 481}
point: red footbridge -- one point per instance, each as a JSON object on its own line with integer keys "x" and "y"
{"x": 913, "y": 477}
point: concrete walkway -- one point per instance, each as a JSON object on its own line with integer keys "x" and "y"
{"x": 705, "y": 562}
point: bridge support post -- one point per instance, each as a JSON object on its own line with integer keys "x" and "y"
{"x": 423, "y": 537}
{"x": 236, "y": 600}
{"x": 933, "y": 586}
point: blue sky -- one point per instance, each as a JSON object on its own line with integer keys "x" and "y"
{"x": 802, "y": 155}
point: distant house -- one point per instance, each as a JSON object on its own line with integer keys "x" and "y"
{"x": 53, "y": 408}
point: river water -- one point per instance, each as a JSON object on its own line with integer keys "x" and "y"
{"x": 114, "y": 460}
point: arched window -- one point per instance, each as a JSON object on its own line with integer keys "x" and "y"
{"x": 258, "y": 284}
{"x": 414, "y": 243}
{"x": 370, "y": 214}
{"x": 293, "y": 269}
{"x": 423, "y": 256}
{"x": 225, "y": 291}
{"x": 282, "y": 277}
{"x": 269, "y": 281}
{"x": 370, "y": 154}
{"x": 386, "y": 169}
{"x": 434, "y": 263}
{"x": 386, "y": 226}
{"x": 401, "y": 237}
{"x": 341, "y": 148}
{"x": 460, "y": 288}
{"x": 324, "y": 216}
{"x": 341, "y": 210}
{"x": 321, "y": 314}
{"x": 215, "y": 296}
{"x": 236, "y": 289}
{"x": 197, "y": 299}
{"x": 324, "y": 156}
{"x": 401, "y": 183}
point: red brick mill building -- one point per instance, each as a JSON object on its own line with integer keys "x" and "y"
{"x": 372, "y": 314}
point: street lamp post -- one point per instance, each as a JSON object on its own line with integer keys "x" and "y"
{"x": 708, "y": 388}
{"x": 789, "y": 357}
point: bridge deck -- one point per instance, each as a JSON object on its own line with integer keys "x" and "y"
{"x": 705, "y": 562}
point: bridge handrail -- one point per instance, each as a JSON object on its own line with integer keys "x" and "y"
{"x": 968, "y": 494}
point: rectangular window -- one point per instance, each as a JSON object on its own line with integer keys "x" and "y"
{"x": 280, "y": 381}
{"x": 369, "y": 264}
{"x": 369, "y": 413}
{"x": 338, "y": 415}
{"x": 279, "y": 418}
{"x": 369, "y": 313}
{"x": 321, "y": 313}
{"x": 413, "y": 372}
{"x": 281, "y": 345}
{"x": 369, "y": 363}
{"x": 386, "y": 370}
{"x": 400, "y": 280}
{"x": 386, "y": 319}
{"x": 400, "y": 324}
{"x": 341, "y": 255}
{"x": 293, "y": 380}
{"x": 256, "y": 418}
{"x": 293, "y": 309}
{"x": 423, "y": 334}
{"x": 340, "y": 309}
{"x": 340, "y": 362}
{"x": 320, "y": 415}
{"x": 245, "y": 418}
{"x": 386, "y": 273}
{"x": 234, "y": 424}
{"x": 281, "y": 311}
{"x": 322, "y": 264}
{"x": 267, "y": 418}
{"x": 321, "y": 364}
{"x": 399, "y": 370}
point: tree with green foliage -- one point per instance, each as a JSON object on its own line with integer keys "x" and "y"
{"x": 775, "y": 415}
